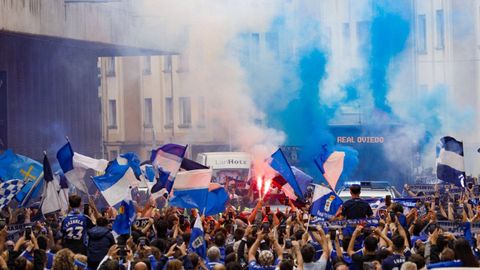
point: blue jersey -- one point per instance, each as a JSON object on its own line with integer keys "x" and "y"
{"x": 74, "y": 230}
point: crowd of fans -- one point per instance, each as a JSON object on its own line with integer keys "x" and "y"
{"x": 263, "y": 238}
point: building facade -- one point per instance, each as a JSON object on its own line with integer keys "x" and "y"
{"x": 145, "y": 105}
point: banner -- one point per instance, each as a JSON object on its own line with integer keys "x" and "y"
{"x": 16, "y": 230}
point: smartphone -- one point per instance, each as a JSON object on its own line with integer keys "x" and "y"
{"x": 333, "y": 234}
{"x": 437, "y": 200}
{"x": 294, "y": 216}
{"x": 270, "y": 218}
{"x": 181, "y": 220}
{"x": 3, "y": 223}
{"x": 28, "y": 232}
{"x": 86, "y": 209}
{"x": 230, "y": 215}
{"x": 212, "y": 224}
{"x": 392, "y": 215}
{"x": 142, "y": 241}
{"x": 470, "y": 185}
{"x": 312, "y": 228}
{"x": 288, "y": 243}
{"x": 265, "y": 227}
{"x": 388, "y": 200}
{"x": 122, "y": 251}
{"x": 179, "y": 241}
{"x": 267, "y": 209}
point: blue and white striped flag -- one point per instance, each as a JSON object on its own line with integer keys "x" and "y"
{"x": 167, "y": 160}
{"x": 8, "y": 190}
{"x": 450, "y": 161}
{"x": 115, "y": 185}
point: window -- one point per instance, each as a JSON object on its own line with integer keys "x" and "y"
{"x": 346, "y": 32}
{"x": 110, "y": 66}
{"x": 346, "y": 36}
{"x": 440, "y": 25}
{"x": 185, "y": 112}
{"x": 255, "y": 45}
{"x": 201, "y": 112}
{"x": 272, "y": 42}
{"x": 244, "y": 50}
{"x": 422, "y": 34}
{"x": 167, "y": 63}
{"x": 113, "y": 154}
{"x": 147, "y": 120}
{"x": 112, "y": 113}
{"x": 168, "y": 112}
{"x": 147, "y": 65}
{"x": 184, "y": 65}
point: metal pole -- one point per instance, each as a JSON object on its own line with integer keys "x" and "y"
{"x": 173, "y": 99}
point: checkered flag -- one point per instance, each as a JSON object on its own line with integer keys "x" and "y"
{"x": 8, "y": 190}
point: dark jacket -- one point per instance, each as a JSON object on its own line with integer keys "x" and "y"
{"x": 100, "y": 239}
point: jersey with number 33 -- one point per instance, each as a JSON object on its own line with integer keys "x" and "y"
{"x": 75, "y": 226}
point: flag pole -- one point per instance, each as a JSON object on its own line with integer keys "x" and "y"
{"x": 66, "y": 138}
{"x": 29, "y": 193}
{"x": 308, "y": 223}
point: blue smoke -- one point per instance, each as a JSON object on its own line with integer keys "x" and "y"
{"x": 306, "y": 120}
{"x": 389, "y": 34}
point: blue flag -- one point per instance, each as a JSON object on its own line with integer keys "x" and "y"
{"x": 197, "y": 239}
{"x": 149, "y": 172}
{"x": 125, "y": 218}
{"x": 190, "y": 189}
{"x": 450, "y": 161}
{"x": 330, "y": 165}
{"x": 280, "y": 164}
{"x": 303, "y": 179}
{"x": 217, "y": 197}
{"x": 13, "y": 166}
{"x": 167, "y": 159}
{"x": 325, "y": 202}
{"x": 114, "y": 184}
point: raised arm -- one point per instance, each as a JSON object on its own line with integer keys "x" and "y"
{"x": 351, "y": 245}
{"x": 253, "y": 249}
